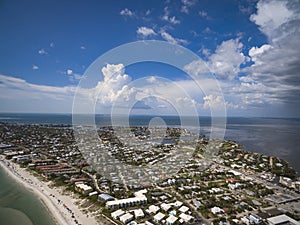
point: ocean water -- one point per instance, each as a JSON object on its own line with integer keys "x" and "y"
{"x": 19, "y": 206}
{"x": 272, "y": 136}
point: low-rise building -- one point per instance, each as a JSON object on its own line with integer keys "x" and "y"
{"x": 152, "y": 209}
{"x": 83, "y": 188}
{"x": 139, "y": 199}
{"x": 165, "y": 206}
{"x": 285, "y": 181}
{"x": 93, "y": 193}
{"x": 126, "y": 218}
{"x": 186, "y": 218}
{"x": 159, "y": 217}
{"x": 177, "y": 204}
{"x": 116, "y": 214}
{"x": 217, "y": 210}
{"x": 183, "y": 209}
{"x": 171, "y": 220}
{"x": 245, "y": 220}
{"x": 282, "y": 219}
{"x": 105, "y": 197}
{"x": 254, "y": 219}
{"x": 138, "y": 213}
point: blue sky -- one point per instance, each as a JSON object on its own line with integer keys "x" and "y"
{"x": 251, "y": 48}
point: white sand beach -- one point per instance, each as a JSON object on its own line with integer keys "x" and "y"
{"x": 62, "y": 207}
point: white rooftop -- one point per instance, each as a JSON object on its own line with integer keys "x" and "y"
{"x": 159, "y": 216}
{"x": 153, "y": 209}
{"x": 165, "y": 206}
{"x": 138, "y": 213}
{"x": 117, "y": 213}
{"x": 177, "y": 204}
{"x": 84, "y": 187}
{"x": 282, "y": 219}
{"x": 126, "y": 217}
{"x": 139, "y": 196}
{"x": 186, "y": 217}
{"x": 183, "y": 209}
{"x": 171, "y": 219}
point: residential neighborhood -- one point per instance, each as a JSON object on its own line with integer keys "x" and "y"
{"x": 231, "y": 186}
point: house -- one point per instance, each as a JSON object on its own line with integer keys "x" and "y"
{"x": 234, "y": 186}
{"x": 126, "y": 218}
{"x": 186, "y": 218}
{"x": 245, "y": 220}
{"x": 235, "y": 173}
{"x": 158, "y": 217}
{"x": 296, "y": 185}
{"x": 217, "y": 210}
{"x": 254, "y": 219}
{"x": 177, "y": 204}
{"x": 183, "y": 209}
{"x": 171, "y": 220}
{"x": 138, "y": 213}
{"x": 231, "y": 180}
{"x": 285, "y": 181}
{"x": 146, "y": 223}
{"x": 117, "y": 214}
{"x": 165, "y": 206}
{"x": 152, "y": 209}
{"x": 196, "y": 203}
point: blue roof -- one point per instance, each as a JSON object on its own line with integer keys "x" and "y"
{"x": 106, "y": 197}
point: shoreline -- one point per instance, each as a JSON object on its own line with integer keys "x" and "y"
{"x": 61, "y": 208}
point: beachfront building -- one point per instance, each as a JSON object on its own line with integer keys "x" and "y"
{"x": 24, "y": 158}
{"x": 139, "y": 199}
{"x": 83, "y": 188}
{"x": 57, "y": 169}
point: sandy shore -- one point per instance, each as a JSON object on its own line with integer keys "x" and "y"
{"x": 62, "y": 207}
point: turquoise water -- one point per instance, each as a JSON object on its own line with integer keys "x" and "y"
{"x": 19, "y": 206}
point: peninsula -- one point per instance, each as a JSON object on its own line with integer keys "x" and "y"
{"x": 234, "y": 187}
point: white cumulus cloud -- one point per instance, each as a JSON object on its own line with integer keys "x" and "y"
{"x": 126, "y": 12}
{"x": 69, "y": 72}
{"x": 169, "y": 38}
{"x": 168, "y": 18}
{"x": 42, "y": 52}
{"x": 273, "y": 16}
{"x": 225, "y": 62}
{"x": 186, "y": 5}
{"x": 35, "y": 67}
{"x": 145, "y": 31}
